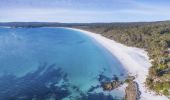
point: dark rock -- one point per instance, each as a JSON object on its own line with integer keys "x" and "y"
{"x": 129, "y": 79}
{"x": 108, "y": 86}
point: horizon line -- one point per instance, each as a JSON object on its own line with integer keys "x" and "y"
{"x": 82, "y": 22}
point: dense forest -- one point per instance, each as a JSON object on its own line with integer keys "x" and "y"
{"x": 153, "y": 37}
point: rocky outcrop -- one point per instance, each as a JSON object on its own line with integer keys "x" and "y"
{"x": 108, "y": 86}
{"x": 132, "y": 91}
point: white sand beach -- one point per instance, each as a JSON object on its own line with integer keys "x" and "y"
{"x": 134, "y": 60}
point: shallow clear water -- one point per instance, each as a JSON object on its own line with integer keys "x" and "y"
{"x": 48, "y": 63}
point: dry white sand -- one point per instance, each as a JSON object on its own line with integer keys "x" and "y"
{"x": 134, "y": 60}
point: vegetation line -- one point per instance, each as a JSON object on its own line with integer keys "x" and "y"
{"x": 153, "y": 37}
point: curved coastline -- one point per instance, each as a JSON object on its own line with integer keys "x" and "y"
{"x": 134, "y": 60}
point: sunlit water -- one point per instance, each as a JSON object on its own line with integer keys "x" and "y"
{"x": 54, "y": 64}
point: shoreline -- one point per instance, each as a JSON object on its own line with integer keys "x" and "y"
{"x": 134, "y": 60}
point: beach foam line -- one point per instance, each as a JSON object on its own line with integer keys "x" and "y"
{"x": 134, "y": 60}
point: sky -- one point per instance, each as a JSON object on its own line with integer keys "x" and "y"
{"x": 84, "y": 11}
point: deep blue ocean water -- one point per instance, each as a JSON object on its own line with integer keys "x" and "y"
{"x": 54, "y": 64}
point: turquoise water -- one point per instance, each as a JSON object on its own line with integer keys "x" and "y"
{"x": 54, "y": 64}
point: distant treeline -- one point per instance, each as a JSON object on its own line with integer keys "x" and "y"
{"x": 56, "y": 24}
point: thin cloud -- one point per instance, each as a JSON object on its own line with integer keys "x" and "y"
{"x": 82, "y": 10}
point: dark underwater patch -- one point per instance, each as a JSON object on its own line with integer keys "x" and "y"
{"x": 40, "y": 84}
